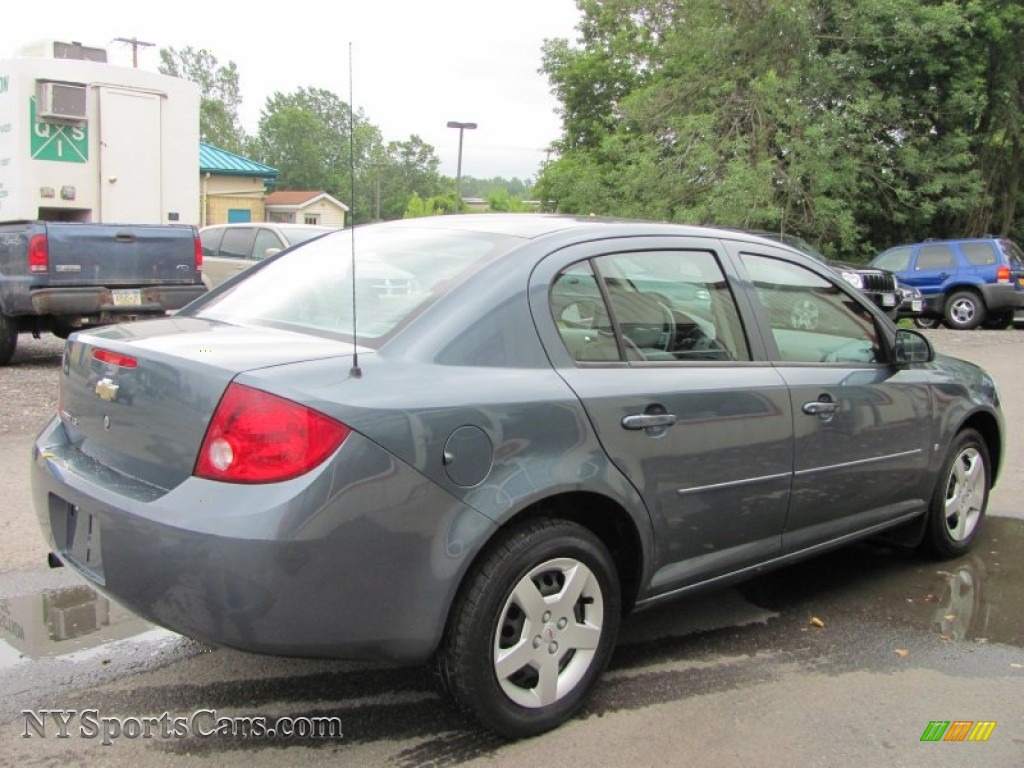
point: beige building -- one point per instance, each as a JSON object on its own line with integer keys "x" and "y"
{"x": 232, "y": 188}
{"x": 305, "y": 207}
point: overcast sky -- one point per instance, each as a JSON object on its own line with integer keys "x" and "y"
{"x": 416, "y": 65}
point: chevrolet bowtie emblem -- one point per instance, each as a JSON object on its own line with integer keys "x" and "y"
{"x": 106, "y": 390}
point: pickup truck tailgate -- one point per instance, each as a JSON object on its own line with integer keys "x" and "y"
{"x": 112, "y": 255}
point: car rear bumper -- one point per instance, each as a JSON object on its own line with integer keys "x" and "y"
{"x": 319, "y": 566}
{"x": 1002, "y": 296}
{"x": 94, "y": 300}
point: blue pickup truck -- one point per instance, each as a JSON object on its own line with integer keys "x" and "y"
{"x": 59, "y": 277}
{"x": 965, "y": 283}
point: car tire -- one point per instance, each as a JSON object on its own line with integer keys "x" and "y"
{"x": 964, "y": 310}
{"x": 998, "y": 321}
{"x": 958, "y": 503}
{"x": 8, "y": 338}
{"x": 532, "y": 628}
{"x": 928, "y": 323}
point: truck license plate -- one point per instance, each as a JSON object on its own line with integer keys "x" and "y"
{"x": 127, "y": 297}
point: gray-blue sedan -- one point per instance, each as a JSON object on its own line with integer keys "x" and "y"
{"x": 481, "y": 440}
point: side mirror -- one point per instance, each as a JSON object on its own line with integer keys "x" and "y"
{"x": 270, "y": 252}
{"x": 911, "y": 347}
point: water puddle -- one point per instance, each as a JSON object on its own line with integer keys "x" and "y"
{"x": 977, "y": 597}
{"x": 64, "y": 620}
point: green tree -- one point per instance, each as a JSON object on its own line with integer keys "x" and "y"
{"x": 999, "y": 137}
{"x": 474, "y": 187}
{"x": 219, "y": 92}
{"x": 408, "y": 167}
{"x": 500, "y": 201}
{"x": 311, "y": 138}
{"x": 290, "y": 140}
{"x": 854, "y": 123}
{"x": 418, "y": 207}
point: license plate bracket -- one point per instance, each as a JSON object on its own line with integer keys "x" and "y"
{"x": 81, "y": 543}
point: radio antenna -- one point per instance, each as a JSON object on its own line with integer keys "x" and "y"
{"x": 356, "y": 372}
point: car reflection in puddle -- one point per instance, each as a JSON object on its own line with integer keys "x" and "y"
{"x": 59, "y": 621}
{"x": 977, "y": 597}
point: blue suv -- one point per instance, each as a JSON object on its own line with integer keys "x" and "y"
{"x": 965, "y": 283}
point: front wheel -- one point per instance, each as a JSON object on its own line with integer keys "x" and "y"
{"x": 532, "y": 629}
{"x": 960, "y": 498}
{"x": 928, "y": 323}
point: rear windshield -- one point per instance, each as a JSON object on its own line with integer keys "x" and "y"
{"x": 399, "y": 272}
{"x": 1013, "y": 251}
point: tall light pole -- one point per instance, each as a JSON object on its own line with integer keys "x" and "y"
{"x": 458, "y": 173}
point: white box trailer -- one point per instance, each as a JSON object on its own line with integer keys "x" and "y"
{"x": 84, "y": 140}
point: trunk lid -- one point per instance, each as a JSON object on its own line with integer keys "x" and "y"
{"x": 142, "y": 407}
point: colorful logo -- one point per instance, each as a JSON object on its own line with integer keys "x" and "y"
{"x": 958, "y": 730}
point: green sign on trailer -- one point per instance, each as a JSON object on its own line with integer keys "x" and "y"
{"x": 61, "y": 143}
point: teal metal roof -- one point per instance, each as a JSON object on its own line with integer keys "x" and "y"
{"x": 216, "y": 160}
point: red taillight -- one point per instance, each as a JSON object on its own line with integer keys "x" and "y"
{"x": 38, "y": 254}
{"x": 114, "y": 358}
{"x": 199, "y": 254}
{"x": 256, "y": 437}
{"x": 1003, "y": 275}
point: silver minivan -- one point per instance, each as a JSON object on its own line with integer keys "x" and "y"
{"x": 232, "y": 248}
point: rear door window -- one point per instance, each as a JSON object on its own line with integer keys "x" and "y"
{"x": 938, "y": 256}
{"x": 237, "y": 242}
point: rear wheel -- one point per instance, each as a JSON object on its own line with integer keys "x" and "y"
{"x": 964, "y": 310}
{"x": 960, "y": 497}
{"x": 532, "y": 629}
{"x": 8, "y": 338}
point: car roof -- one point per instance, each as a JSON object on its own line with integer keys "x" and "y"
{"x": 945, "y": 240}
{"x": 279, "y": 224}
{"x": 535, "y": 225}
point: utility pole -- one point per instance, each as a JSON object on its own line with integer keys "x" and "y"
{"x": 135, "y": 43}
{"x": 376, "y": 206}
{"x": 458, "y": 174}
